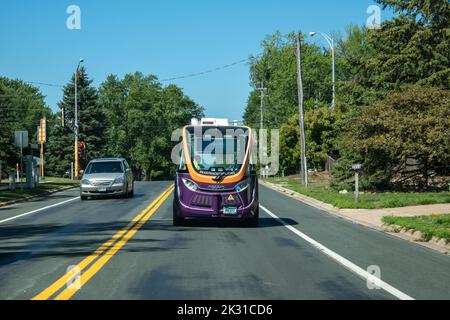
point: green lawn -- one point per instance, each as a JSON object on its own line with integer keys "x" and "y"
{"x": 320, "y": 190}
{"x": 430, "y": 226}
{"x": 50, "y": 184}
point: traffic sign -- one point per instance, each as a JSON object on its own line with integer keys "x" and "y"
{"x": 21, "y": 139}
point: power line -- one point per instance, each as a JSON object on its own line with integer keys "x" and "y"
{"x": 207, "y": 71}
{"x": 45, "y": 84}
{"x": 191, "y": 75}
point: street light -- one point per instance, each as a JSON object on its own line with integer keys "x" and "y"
{"x": 261, "y": 128}
{"x": 330, "y": 41}
{"x": 303, "y": 161}
{"x": 76, "y": 118}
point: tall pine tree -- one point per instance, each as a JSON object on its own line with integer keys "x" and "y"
{"x": 91, "y": 123}
{"x": 7, "y": 119}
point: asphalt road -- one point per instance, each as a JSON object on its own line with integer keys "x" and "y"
{"x": 308, "y": 254}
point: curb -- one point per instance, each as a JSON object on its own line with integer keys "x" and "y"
{"x": 26, "y": 199}
{"x": 408, "y": 235}
{"x": 415, "y": 236}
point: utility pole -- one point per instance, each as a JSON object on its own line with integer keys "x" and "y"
{"x": 333, "y": 104}
{"x": 261, "y": 128}
{"x": 21, "y": 161}
{"x": 304, "y": 165}
{"x": 76, "y": 119}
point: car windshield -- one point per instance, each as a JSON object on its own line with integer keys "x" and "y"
{"x": 215, "y": 151}
{"x": 105, "y": 167}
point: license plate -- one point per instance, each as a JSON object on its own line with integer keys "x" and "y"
{"x": 230, "y": 211}
{"x": 101, "y": 189}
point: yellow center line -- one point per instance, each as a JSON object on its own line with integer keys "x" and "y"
{"x": 57, "y": 285}
{"x": 86, "y": 276}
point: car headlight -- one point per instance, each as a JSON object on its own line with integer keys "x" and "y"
{"x": 242, "y": 186}
{"x": 85, "y": 182}
{"x": 191, "y": 185}
{"x": 118, "y": 180}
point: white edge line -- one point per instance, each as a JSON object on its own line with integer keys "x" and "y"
{"x": 38, "y": 210}
{"x": 341, "y": 260}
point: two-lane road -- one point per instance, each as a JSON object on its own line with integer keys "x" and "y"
{"x": 128, "y": 249}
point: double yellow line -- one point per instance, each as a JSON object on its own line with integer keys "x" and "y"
{"x": 99, "y": 256}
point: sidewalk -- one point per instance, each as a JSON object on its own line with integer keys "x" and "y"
{"x": 373, "y": 217}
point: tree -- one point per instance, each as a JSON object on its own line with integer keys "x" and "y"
{"x": 141, "y": 115}
{"x": 7, "y": 150}
{"x": 277, "y": 68}
{"x": 60, "y": 150}
{"x": 435, "y": 13}
{"x": 404, "y": 141}
{"x": 91, "y": 122}
{"x": 401, "y": 66}
{"x": 21, "y": 108}
{"x": 322, "y": 127}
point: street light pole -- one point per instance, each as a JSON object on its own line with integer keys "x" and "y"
{"x": 304, "y": 165}
{"x": 76, "y": 119}
{"x": 261, "y": 128}
{"x": 330, "y": 42}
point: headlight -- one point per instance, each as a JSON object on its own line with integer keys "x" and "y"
{"x": 242, "y": 186}
{"x": 191, "y": 185}
{"x": 85, "y": 181}
{"x": 118, "y": 180}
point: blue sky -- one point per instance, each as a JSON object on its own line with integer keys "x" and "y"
{"x": 166, "y": 38}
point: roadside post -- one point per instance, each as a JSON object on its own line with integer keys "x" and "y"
{"x": 32, "y": 173}
{"x": 356, "y": 168}
{"x": 42, "y": 139}
{"x": 12, "y": 180}
{"x": 21, "y": 140}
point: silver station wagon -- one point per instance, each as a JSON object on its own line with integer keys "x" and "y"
{"x": 107, "y": 177}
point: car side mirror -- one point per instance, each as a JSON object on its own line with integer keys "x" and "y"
{"x": 81, "y": 172}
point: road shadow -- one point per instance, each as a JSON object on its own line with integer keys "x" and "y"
{"x": 236, "y": 224}
{"x": 165, "y": 282}
{"x": 33, "y": 242}
{"x": 109, "y": 197}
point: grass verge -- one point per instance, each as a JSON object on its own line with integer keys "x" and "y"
{"x": 430, "y": 226}
{"x": 319, "y": 189}
{"x": 49, "y": 185}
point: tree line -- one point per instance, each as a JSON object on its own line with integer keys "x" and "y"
{"x": 131, "y": 117}
{"x": 393, "y": 99}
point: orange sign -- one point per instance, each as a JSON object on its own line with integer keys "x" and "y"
{"x": 43, "y": 131}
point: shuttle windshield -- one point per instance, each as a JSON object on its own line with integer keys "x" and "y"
{"x": 217, "y": 151}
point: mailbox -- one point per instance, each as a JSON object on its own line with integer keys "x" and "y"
{"x": 356, "y": 167}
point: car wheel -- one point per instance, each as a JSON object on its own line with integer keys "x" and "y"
{"x": 83, "y": 198}
{"x": 253, "y": 222}
{"x": 125, "y": 194}
{"x": 177, "y": 220}
{"x": 132, "y": 192}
